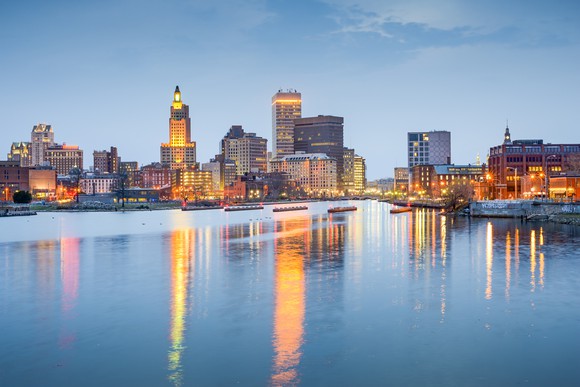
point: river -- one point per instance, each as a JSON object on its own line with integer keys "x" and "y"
{"x": 254, "y": 298}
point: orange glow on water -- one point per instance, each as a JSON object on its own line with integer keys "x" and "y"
{"x": 180, "y": 277}
{"x": 289, "y": 306}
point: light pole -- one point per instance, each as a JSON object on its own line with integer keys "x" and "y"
{"x": 546, "y": 189}
{"x": 515, "y": 169}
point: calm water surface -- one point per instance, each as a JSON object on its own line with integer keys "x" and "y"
{"x": 298, "y": 298}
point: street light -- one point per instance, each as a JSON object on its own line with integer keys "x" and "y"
{"x": 546, "y": 189}
{"x": 515, "y": 169}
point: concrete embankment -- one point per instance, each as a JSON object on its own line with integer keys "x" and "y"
{"x": 531, "y": 210}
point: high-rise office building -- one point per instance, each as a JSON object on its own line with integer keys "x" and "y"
{"x": 246, "y": 149}
{"x": 360, "y": 174}
{"x": 41, "y": 138}
{"x": 179, "y": 152}
{"x": 429, "y": 148}
{"x": 348, "y": 173}
{"x": 286, "y": 107}
{"x": 322, "y": 134}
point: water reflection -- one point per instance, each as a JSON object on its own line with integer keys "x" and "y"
{"x": 69, "y": 274}
{"x": 289, "y": 300}
{"x": 180, "y": 250}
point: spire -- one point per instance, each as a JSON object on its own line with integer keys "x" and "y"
{"x": 507, "y": 138}
{"x": 177, "y": 95}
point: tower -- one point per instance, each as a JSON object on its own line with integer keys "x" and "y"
{"x": 507, "y": 138}
{"x": 286, "y": 107}
{"x": 179, "y": 152}
{"x": 41, "y": 138}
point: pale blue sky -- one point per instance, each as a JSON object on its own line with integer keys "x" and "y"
{"x": 103, "y": 72}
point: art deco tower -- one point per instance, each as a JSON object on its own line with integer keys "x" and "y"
{"x": 179, "y": 153}
{"x": 286, "y": 107}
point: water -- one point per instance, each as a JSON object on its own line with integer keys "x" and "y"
{"x": 260, "y": 298}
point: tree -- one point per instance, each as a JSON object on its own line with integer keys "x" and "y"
{"x": 572, "y": 163}
{"x": 457, "y": 196}
{"x": 22, "y": 197}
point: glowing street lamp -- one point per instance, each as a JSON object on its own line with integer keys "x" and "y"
{"x": 515, "y": 169}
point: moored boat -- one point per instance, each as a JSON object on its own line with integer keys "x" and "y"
{"x": 243, "y": 208}
{"x": 398, "y": 210}
{"x": 342, "y": 209}
{"x": 291, "y": 208}
{"x": 16, "y": 211}
{"x": 200, "y": 208}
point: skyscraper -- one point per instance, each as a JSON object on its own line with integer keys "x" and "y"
{"x": 429, "y": 148}
{"x": 322, "y": 134}
{"x": 41, "y": 137}
{"x": 286, "y": 107}
{"x": 179, "y": 152}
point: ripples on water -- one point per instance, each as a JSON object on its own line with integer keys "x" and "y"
{"x": 257, "y": 298}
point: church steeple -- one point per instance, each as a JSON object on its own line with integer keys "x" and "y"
{"x": 507, "y": 138}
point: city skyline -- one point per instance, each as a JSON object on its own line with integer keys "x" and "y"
{"x": 388, "y": 68}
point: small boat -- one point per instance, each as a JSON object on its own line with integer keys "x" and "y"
{"x": 291, "y": 208}
{"x": 200, "y": 208}
{"x": 243, "y": 208}
{"x": 342, "y": 209}
{"x": 399, "y": 210}
{"x": 16, "y": 211}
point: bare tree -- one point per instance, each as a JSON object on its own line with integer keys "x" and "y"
{"x": 572, "y": 163}
{"x": 457, "y": 196}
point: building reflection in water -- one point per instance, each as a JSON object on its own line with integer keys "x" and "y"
{"x": 181, "y": 275}
{"x": 429, "y": 249}
{"x": 489, "y": 260}
{"x": 316, "y": 245}
{"x": 290, "y": 288}
{"x": 69, "y": 275}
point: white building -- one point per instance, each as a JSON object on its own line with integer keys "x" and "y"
{"x": 99, "y": 184}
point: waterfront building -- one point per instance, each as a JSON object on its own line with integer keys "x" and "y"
{"x": 565, "y": 187}
{"x": 214, "y": 167}
{"x": 64, "y": 157}
{"x": 322, "y": 134}
{"x": 156, "y": 175}
{"x": 314, "y": 173}
{"x": 106, "y": 161}
{"x": 360, "y": 174}
{"x": 13, "y": 178}
{"x": 381, "y": 185}
{"x": 434, "y": 180}
{"x": 247, "y": 150}
{"x": 192, "y": 184}
{"x": 21, "y": 152}
{"x": 249, "y": 187}
{"x": 401, "y": 179}
{"x": 429, "y": 148}
{"x": 41, "y": 138}
{"x": 286, "y": 107}
{"x": 513, "y": 159}
{"x": 129, "y": 170}
{"x": 40, "y": 182}
{"x": 180, "y": 151}
{"x": 92, "y": 184}
{"x": 348, "y": 174}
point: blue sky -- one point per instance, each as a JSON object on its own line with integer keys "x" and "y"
{"x": 103, "y": 72}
